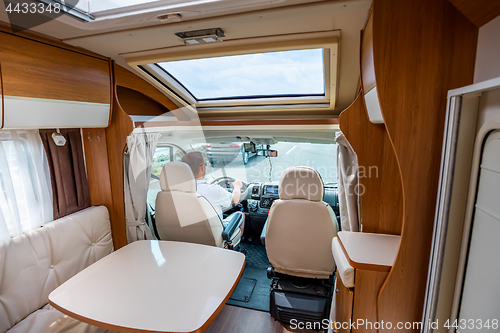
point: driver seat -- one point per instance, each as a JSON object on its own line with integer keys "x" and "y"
{"x": 183, "y": 215}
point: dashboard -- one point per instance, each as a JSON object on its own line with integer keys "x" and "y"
{"x": 264, "y": 194}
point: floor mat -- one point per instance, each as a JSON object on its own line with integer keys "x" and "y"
{"x": 243, "y": 290}
{"x": 259, "y": 298}
{"x": 256, "y": 255}
{"x": 256, "y": 264}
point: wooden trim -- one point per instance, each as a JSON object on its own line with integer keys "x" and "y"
{"x": 120, "y": 127}
{"x": 40, "y": 70}
{"x": 478, "y": 12}
{"x": 111, "y": 88}
{"x": 366, "y": 289}
{"x": 344, "y": 301}
{"x": 135, "y": 103}
{"x": 48, "y": 40}
{"x": 1, "y": 95}
{"x": 422, "y": 49}
{"x": 128, "y": 79}
{"x": 367, "y": 68}
{"x": 96, "y": 159}
{"x": 111, "y": 327}
{"x": 381, "y": 192}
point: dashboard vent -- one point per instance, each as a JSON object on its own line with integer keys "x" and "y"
{"x": 255, "y": 190}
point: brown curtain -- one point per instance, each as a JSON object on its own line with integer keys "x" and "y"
{"x": 70, "y": 187}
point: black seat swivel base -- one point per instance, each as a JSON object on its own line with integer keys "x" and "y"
{"x": 299, "y": 300}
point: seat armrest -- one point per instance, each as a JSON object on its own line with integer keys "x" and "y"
{"x": 263, "y": 234}
{"x": 231, "y": 224}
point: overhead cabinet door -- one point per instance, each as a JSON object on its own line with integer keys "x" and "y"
{"x": 48, "y": 86}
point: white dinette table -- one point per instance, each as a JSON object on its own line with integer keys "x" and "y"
{"x": 152, "y": 286}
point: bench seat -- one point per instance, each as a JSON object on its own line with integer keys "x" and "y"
{"x": 36, "y": 263}
{"x": 48, "y": 319}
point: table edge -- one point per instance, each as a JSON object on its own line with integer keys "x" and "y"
{"x": 122, "y": 329}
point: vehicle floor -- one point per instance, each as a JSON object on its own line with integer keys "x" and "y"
{"x": 241, "y": 320}
{"x": 253, "y": 290}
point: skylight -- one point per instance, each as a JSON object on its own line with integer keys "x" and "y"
{"x": 272, "y": 74}
{"x": 102, "y": 5}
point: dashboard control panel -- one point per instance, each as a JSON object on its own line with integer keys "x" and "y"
{"x": 270, "y": 190}
{"x": 266, "y": 202}
{"x": 263, "y": 195}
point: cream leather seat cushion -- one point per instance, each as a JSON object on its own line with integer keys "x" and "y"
{"x": 346, "y": 271}
{"x": 34, "y": 264}
{"x": 181, "y": 214}
{"x": 300, "y": 226}
{"x": 48, "y": 319}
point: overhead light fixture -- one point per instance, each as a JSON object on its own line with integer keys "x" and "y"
{"x": 201, "y": 36}
{"x": 170, "y": 18}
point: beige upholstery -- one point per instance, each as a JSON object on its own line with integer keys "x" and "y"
{"x": 178, "y": 178}
{"x": 34, "y": 264}
{"x": 301, "y": 183}
{"x": 301, "y": 227}
{"x": 49, "y": 320}
{"x": 346, "y": 271}
{"x": 182, "y": 215}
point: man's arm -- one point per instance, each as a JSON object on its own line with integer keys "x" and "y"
{"x": 237, "y": 184}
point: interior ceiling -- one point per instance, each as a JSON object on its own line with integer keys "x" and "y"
{"x": 183, "y": 137}
{"x": 121, "y": 37}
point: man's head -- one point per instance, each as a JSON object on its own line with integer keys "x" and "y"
{"x": 197, "y": 163}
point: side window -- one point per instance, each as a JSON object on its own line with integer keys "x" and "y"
{"x": 25, "y": 191}
{"x": 162, "y": 156}
{"x": 178, "y": 155}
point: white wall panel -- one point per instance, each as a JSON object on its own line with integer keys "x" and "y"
{"x": 26, "y": 113}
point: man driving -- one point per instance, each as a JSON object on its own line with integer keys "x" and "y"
{"x": 215, "y": 194}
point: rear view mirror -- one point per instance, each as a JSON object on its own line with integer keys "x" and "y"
{"x": 249, "y": 147}
{"x": 273, "y": 153}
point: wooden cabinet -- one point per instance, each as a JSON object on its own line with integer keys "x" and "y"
{"x": 372, "y": 256}
{"x": 39, "y": 70}
{"x": 344, "y": 298}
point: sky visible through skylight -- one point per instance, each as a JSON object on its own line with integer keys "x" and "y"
{"x": 297, "y": 72}
{"x": 100, "y": 5}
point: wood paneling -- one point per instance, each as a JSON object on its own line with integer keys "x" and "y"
{"x": 116, "y": 138}
{"x": 478, "y": 12}
{"x": 1, "y": 95}
{"x": 381, "y": 205}
{"x": 422, "y": 48}
{"x": 366, "y": 289}
{"x": 96, "y": 158}
{"x": 39, "y": 70}
{"x": 127, "y": 79}
{"x": 49, "y": 40}
{"x": 137, "y": 104}
{"x": 367, "y": 68}
{"x": 344, "y": 298}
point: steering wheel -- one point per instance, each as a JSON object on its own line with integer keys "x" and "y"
{"x": 244, "y": 190}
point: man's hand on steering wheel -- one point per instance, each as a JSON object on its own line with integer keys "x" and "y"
{"x": 237, "y": 184}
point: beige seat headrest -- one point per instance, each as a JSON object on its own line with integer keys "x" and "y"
{"x": 177, "y": 176}
{"x": 301, "y": 182}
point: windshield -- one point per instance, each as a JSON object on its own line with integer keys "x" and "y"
{"x": 229, "y": 159}
{"x": 258, "y": 168}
